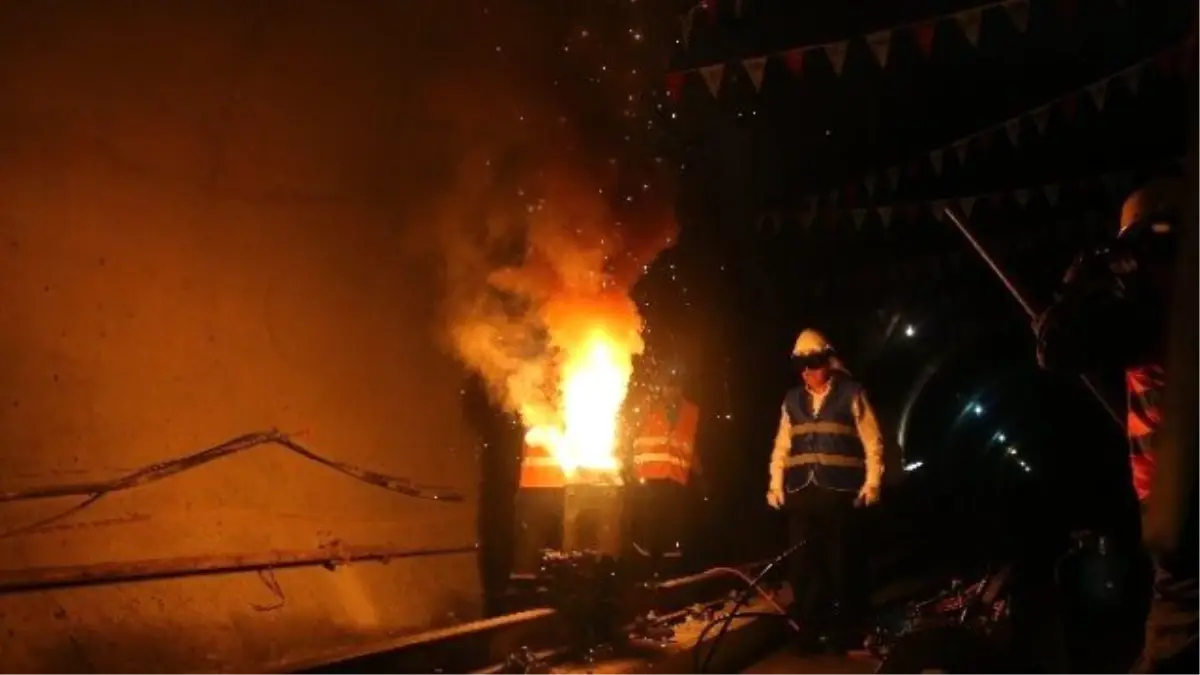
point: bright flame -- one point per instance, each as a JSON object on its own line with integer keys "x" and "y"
{"x": 594, "y": 381}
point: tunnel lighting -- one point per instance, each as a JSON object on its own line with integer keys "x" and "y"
{"x": 910, "y": 330}
{"x": 913, "y": 466}
{"x": 976, "y": 408}
{"x": 1001, "y": 437}
{"x": 1012, "y": 451}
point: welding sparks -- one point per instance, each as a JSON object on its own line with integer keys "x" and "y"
{"x": 595, "y": 380}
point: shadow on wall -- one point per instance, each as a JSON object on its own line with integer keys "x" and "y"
{"x": 500, "y": 459}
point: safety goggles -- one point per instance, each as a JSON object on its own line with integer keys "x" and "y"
{"x": 808, "y": 361}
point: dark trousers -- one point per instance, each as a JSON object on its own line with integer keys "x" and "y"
{"x": 826, "y": 572}
{"x": 1173, "y": 626}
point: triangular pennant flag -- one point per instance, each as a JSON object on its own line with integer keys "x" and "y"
{"x": 935, "y": 158}
{"x": 985, "y": 139}
{"x": 1013, "y": 129}
{"x": 1099, "y": 91}
{"x": 960, "y": 148}
{"x": 970, "y": 21}
{"x": 938, "y": 207}
{"x": 1069, "y": 106}
{"x": 794, "y": 60}
{"x": 893, "y": 175}
{"x": 836, "y": 53}
{"x": 674, "y": 84}
{"x": 1041, "y": 117}
{"x": 924, "y": 34}
{"x": 880, "y": 43}
{"x": 807, "y": 218}
{"x": 1132, "y": 78}
{"x": 1018, "y": 11}
{"x": 885, "y": 215}
{"x": 755, "y": 68}
{"x": 967, "y": 204}
{"x": 859, "y": 216}
{"x": 869, "y": 181}
{"x": 712, "y": 77}
{"x": 1021, "y": 195}
{"x": 688, "y": 20}
{"x": 1051, "y": 192}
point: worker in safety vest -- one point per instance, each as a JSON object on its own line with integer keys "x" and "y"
{"x": 663, "y": 459}
{"x": 827, "y": 460}
{"x": 663, "y": 448}
{"x": 1110, "y": 313}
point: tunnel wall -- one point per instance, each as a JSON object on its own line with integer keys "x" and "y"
{"x": 204, "y": 231}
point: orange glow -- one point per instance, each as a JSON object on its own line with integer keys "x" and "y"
{"x": 594, "y": 381}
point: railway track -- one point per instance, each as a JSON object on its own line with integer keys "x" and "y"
{"x": 671, "y": 628}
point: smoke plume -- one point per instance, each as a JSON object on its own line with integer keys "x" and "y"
{"x": 554, "y": 213}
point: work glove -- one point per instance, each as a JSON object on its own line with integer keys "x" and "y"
{"x": 775, "y": 497}
{"x": 868, "y": 495}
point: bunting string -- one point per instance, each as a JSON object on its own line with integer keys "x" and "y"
{"x": 1038, "y": 117}
{"x": 1116, "y": 184}
{"x": 878, "y": 42}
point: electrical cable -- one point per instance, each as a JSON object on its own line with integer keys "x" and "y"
{"x": 701, "y": 666}
{"x": 96, "y": 490}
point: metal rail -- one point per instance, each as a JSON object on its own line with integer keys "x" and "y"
{"x": 480, "y": 645}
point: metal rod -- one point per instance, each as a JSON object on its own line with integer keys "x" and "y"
{"x": 1029, "y": 311}
{"x": 70, "y": 576}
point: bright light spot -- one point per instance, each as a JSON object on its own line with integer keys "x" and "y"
{"x": 913, "y": 466}
{"x": 1001, "y": 437}
{"x": 909, "y": 330}
{"x": 1012, "y": 452}
{"x": 595, "y": 379}
{"x": 977, "y": 409}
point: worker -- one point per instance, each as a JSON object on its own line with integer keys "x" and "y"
{"x": 663, "y": 461}
{"x": 1110, "y": 313}
{"x": 827, "y": 460}
{"x": 539, "y": 508}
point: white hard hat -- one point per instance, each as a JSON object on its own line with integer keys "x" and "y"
{"x": 811, "y": 342}
{"x": 1155, "y": 204}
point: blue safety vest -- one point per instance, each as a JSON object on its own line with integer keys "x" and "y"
{"x": 826, "y": 450}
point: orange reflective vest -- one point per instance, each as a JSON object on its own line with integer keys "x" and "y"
{"x": 539, "y": 469}
{"x": 1143, "y": 386}
{"x": 664, "y": 446}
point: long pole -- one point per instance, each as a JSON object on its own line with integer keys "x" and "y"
{"x": 1020, "y": 298}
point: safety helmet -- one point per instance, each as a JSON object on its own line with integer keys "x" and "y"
{"x": 811, "y": 343}
{"x": 1156, "y": 204}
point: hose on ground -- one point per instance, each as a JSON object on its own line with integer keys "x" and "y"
{"x": 700, "y": 665}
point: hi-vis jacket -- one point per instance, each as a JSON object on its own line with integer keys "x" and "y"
{"x": 828, "y": 439}
{"x": 664, "y": 447}
{"x": 1143, "y": 386}
{"x": 539, "y": 469}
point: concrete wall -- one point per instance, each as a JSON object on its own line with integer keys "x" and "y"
{"x": 205, "y": 219}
